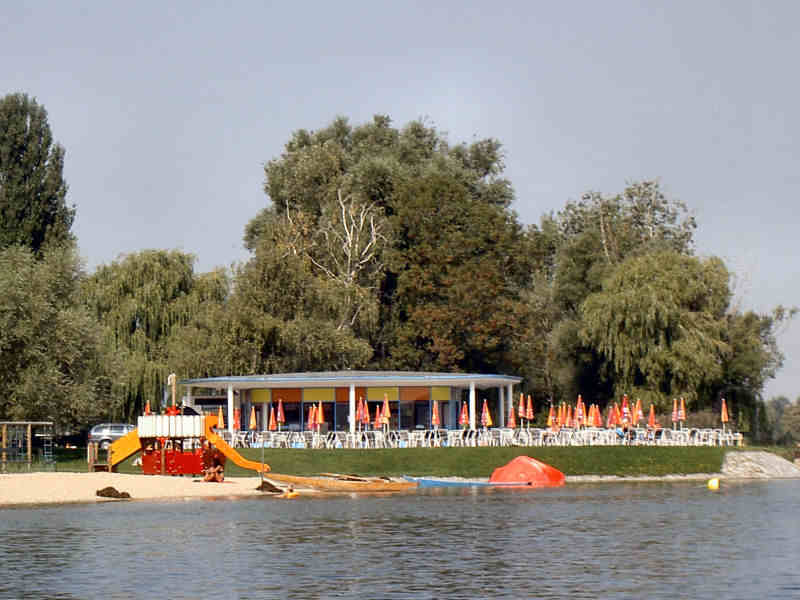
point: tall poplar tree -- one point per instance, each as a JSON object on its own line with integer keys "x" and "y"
{"x": 33, "y": 209}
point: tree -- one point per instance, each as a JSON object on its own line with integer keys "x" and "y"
{"x": 660, "y": 323}
{"x": 33, "y": 210}
{"x": 283, "y": 317}
{"x": 141, "y": 300}
{"x": 460, "y": 265}
{"x": 576, "y": 250}
{"x": 52, "y": 363}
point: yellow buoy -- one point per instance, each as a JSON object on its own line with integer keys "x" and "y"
{"x": 713, "y": 484}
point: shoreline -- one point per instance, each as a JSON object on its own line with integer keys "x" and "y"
{"x": 54, "y": 488}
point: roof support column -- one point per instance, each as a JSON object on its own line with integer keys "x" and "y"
{"x": 501, "y": 418}
{"x": 472, "y": 405}
{"x": 352, "y": 407}
{"x": 511, "y": 396}
{"x": 230, "y": 409}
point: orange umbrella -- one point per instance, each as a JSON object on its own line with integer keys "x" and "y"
{"x": 626, "y": 411}
{"x": 529, "y": 409}
{"x": 280, "y": 417}
{"x": 521, "y": 412}
{"x": 253, "y": 423}
{"x": 435, "y": 415}
{"x": 682, "y": 411}
{"x": 638, "y": 415}
{"x": 550, "y": 417}
{"x": 651, "y": 420}
{"x": 237, "y": 418}
{"x": 674, "y": 410}
{"x": 568, "y": 420}
{"x": 512, "y": 416}
{"x": 486, "y": 418}
{"x": 610, "y": 421}
{"x": 579, "y": 412}
{"x": 147, "y": 408}
{"x": 463, "y": 417}
{"x": 386, "y": 415}
{"x": 272, "y": 424}
{"x": 312, "y": 417}
{"x": 724, "y": 415}
{"x": 377, "y": 424}
{"x": 220, "y": 419}
{"x": 598, "y": 418}
{"x": 320, "y": 414}
{"x": 366, "y": 420}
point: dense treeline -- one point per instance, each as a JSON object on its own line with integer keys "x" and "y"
{"x": 378, "y": 247}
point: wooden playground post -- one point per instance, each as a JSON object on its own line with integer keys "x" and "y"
{"x": 29, "y": 446}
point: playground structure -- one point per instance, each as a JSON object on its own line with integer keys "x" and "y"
{"x": 18, "y": 445}
{"x": 171, "y": 444}
{"x": 177, "y": 444}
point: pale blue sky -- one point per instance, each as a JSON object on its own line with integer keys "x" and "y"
{"x": 168, "y": 114}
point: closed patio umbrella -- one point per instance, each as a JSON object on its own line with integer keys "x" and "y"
{"x": 272, "y": 421}
{"x": 312, "y": 417}
{"x": 463, "y": 418}
{"x": 435, "y": 422}
{"x": 626, "y": 411}
{"x": 253, "y": 422}
{"x": 237, "y": 418}
{"x": 724, "y": 415}
{"x": 378, "y": 417}
{"x": 682, "y": 411}
{"x": 651, "y": 420}
{"x": 365, "y": 416}
{"x": 512, "y": 416}
{"x": 529, "y": 410}
{"x": 486, "y": 418}
{"x": 280, "y": 417}
{"x": 521, "y": 412}
{"x": 220, "y": 419}
{"x": 550, "y": 417}
{"x": 386, "y": 414}
{"x": 320, "y": 416}
{"x": 147, "y": 408}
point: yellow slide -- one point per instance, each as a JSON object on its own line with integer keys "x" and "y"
{"x": 123, "y": 448}
{"x": 224, "y": 447}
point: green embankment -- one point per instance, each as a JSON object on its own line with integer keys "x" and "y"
{"x": 467, "y": 462}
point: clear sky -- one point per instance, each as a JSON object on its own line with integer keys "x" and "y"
{"x": 168, "y": 111}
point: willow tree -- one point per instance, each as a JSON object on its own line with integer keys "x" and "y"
{"x": 577, "y": 249}
{"x": 33, "y": 208}
{"x": 141, "y": 300}
{"x": 660, "y": 323}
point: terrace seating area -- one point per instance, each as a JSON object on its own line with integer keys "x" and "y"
{"x": 454, "y": 438}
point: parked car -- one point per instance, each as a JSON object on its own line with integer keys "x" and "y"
{"x": 106, "y": 433}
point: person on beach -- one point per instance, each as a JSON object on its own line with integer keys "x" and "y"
{"x": 215, "y": 466}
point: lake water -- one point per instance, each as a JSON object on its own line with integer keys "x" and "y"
{"x": 621, "y": 540}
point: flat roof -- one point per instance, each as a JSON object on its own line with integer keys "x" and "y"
{"x": 326, "y": 379}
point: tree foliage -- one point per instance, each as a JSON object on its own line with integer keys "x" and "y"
{"x": 51, "y": 353}
{"x": 409, "y": 233}
{"x": 660, "y": 321}
{"x": 33, "y": 209}
{"x": 141, "y": 300}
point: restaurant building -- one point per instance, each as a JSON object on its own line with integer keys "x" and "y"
{"x": 410, "y": 395}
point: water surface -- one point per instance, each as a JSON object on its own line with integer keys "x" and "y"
{"x": 617, "y": 540}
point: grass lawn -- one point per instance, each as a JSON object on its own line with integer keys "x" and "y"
{"x": 460, "y": 462}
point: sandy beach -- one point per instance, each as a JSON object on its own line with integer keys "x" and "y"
{"x": 62, "y": 488}
{"x": 58, "y": 488}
